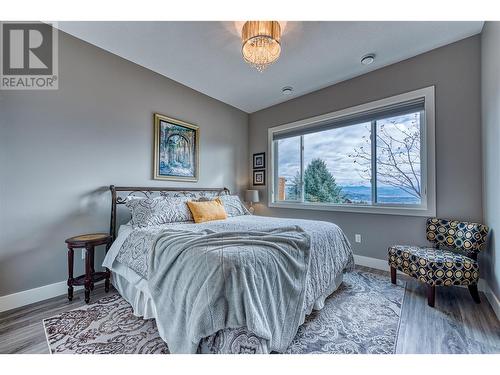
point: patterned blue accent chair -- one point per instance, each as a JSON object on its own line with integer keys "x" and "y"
{"x": 452, "y": 260}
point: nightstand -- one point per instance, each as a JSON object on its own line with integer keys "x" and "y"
{"x": 87, "y": 242}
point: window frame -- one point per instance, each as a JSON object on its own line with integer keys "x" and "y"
{"x": 428, "y": 171}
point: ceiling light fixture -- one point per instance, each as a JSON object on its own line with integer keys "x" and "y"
{"x": 368, "y": 59}
{"x": 287, "y": 90}
{"x": 261, "y": 43}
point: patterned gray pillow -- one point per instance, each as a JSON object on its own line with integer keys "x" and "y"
{"x": 233, "y": 206}
{"x": 158, "y": 210}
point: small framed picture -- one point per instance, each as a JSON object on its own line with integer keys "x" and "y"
{"x": 259, "y": 177}
{"x": 259, "y": 160}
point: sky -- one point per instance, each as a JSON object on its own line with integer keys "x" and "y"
{"x": 333, "y": 146}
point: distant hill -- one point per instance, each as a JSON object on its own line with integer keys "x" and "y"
{"x": 386, "y": 194}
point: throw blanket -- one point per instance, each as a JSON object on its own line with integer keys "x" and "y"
{"x": 219, "y": 280}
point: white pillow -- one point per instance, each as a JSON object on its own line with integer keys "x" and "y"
{"x": 233, "y": 206}
{"x": 158, "y": 210}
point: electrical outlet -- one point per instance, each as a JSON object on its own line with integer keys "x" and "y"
{"x": 83, "y": 254}
{"x": 357, "y": 238}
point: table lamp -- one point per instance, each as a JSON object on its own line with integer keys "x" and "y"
{"x": 252, "y": 196}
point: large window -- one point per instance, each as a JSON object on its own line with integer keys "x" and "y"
{"x": 377, "y": 157}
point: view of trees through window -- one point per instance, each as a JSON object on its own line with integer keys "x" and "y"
{"x": 337, "y": 165}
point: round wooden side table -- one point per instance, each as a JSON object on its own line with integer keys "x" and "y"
{"x": 87, "y": 242}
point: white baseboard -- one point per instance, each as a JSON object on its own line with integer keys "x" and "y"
{"x": 381, "y": 264}
{"x": 492, "y": 299}
{"x": 26, "y": 297}
{"x": 378, "y": 264}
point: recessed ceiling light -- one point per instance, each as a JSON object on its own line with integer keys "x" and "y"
{"x": 368, "y": 59}
{"x": 287, "y": 90}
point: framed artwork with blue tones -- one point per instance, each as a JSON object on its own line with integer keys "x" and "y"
{"x": 176, "y": 149}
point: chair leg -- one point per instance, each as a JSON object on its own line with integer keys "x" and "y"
{"x": 393, "y": 275}
{"x": 474, "y": 293}
{"x": 431, "y": 295}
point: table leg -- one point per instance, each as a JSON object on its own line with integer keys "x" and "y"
{"x": 92, "y": 265}
{"x": 106, "y": 281}
{"x": 92, "y": 269}
{"x": 70, "y": 273}
{"x": 88, "y": 274}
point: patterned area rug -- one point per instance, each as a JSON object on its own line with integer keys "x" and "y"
{"x": 362, "y": 316}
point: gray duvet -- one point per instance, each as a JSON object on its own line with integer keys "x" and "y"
{"x": 330, "y": 255}
{"x": 219, "y": 280}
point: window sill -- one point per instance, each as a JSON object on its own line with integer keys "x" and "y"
{"x": 384, "y": 210}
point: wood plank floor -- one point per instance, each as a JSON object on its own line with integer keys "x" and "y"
{"x": 21, "y": 330}
{"x": 455, "y": 325}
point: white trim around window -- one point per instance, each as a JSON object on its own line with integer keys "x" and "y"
{"x": 428, "y": 172}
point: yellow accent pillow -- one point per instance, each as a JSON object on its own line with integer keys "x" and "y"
{"x": 207, "y": 211}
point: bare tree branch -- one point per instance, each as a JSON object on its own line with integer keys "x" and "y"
{"x": 397, "y": 159}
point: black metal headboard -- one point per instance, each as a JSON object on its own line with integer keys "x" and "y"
{"x": 119, "y": 196}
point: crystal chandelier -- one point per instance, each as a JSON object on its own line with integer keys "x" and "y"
{"x": 261, "y": 43}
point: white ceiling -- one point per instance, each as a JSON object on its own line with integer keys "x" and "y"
{"x": 206, "y": 56}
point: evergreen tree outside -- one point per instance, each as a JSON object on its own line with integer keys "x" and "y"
{"x": 319, "y": 184}
{"x": 293, "y": 191}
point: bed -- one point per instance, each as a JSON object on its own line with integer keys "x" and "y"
{"x": 129, "y": 261}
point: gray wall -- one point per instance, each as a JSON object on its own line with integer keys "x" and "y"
{"x": 57, "y": 147}
{"x": 455, "y": 71}
{"x": 490, "y": 98}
